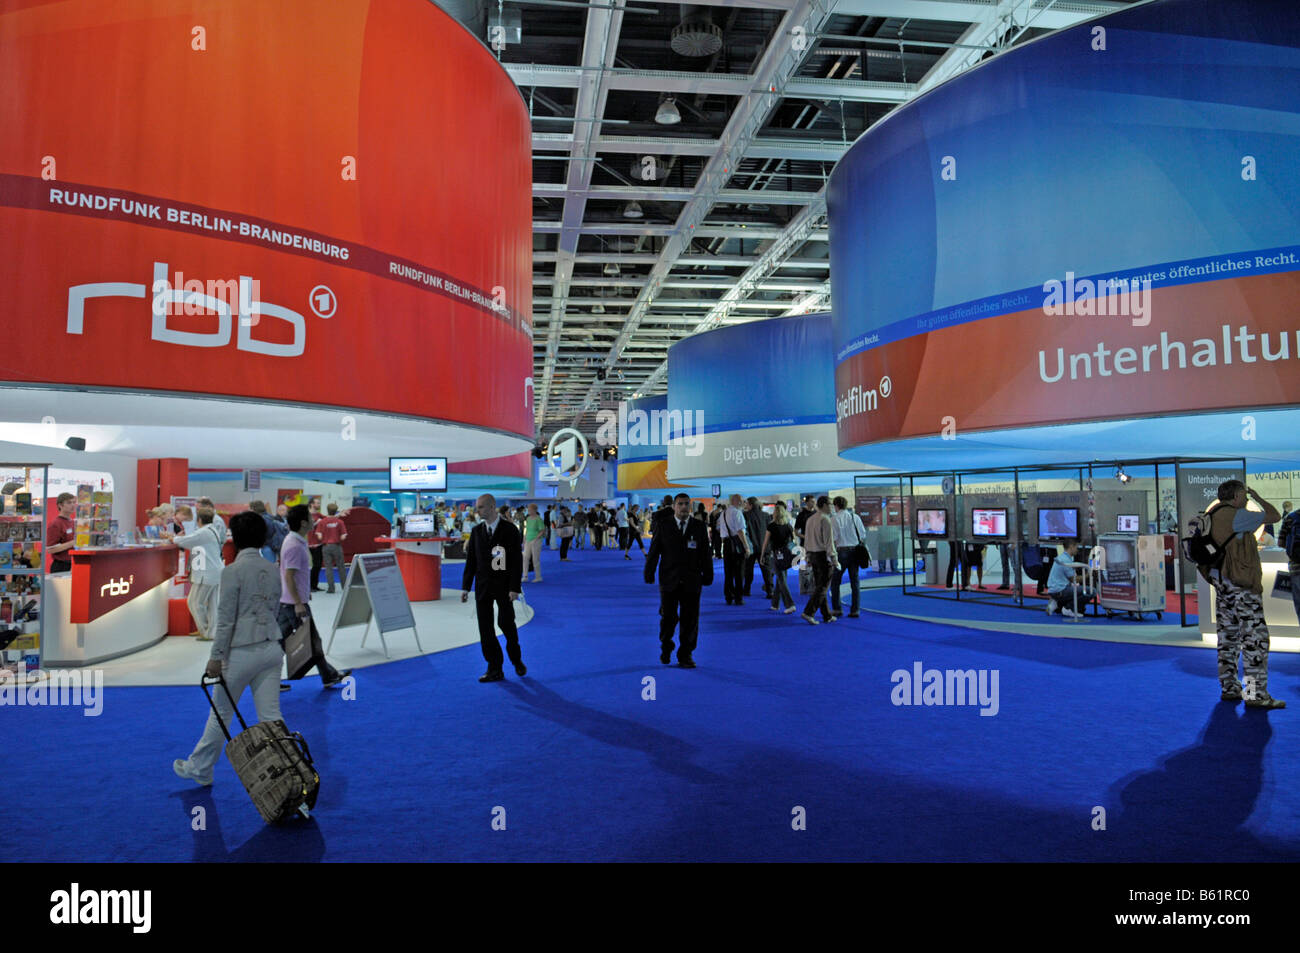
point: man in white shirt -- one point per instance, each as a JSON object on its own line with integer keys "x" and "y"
{"x": 735, "y": 549}
{"x": 848, "y": 533}
{"x": 624, "y": 538}
{"x": 822, "y": 556}
{"x": 204, "y": 545}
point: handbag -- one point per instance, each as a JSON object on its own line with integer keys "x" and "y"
{"x": 782, "y": 558}
{"x": 806, "y": 582}
{"x": 861, "y": 555}
{"x": 298, "y": 655}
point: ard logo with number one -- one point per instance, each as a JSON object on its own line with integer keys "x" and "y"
{"x": 570, "y": 447}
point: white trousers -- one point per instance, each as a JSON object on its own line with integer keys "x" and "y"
{"x": 256, "y": 666}
{"x": 202, "y": 601}
{"x": 533, "y": 556}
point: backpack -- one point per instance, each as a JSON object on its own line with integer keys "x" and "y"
{"x": 275, "y": 533}
{"x": 1291, "y": 534}
{"x": 1199, "y": 546}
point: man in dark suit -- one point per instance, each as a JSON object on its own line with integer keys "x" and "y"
{"x": 665, "y": 511}
{"x": 683, "y": 545}
{"x": 495, "y": 556}
{"x": 756, "y": 523}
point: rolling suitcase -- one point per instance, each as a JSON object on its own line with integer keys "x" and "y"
{"x": 273, "y": 764}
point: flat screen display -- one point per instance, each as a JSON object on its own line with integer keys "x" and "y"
{"x": 418, "y": 523}
{"x": 989, "y": 523}
{"x": 1127, "y": 523}
{"x": 932, "y": 523}
{"x": 417, "y": 474}
{"x": 1058, "y": 523}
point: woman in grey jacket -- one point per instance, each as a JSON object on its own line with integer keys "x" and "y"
{"x": 246, "y": 643}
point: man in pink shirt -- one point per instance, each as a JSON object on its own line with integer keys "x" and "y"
{"x": 295, "y": 592}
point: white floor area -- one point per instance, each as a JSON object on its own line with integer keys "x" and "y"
{"x": 445, "y": 624}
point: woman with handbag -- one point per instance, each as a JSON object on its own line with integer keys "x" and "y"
{"x": 851, "y": 544}
{"x": 563, "y": 521}
{"x": 246, "y": 643}
{"x": 777, "y": 539}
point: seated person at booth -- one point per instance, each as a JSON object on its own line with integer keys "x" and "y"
{"x": 1063, "y": 585}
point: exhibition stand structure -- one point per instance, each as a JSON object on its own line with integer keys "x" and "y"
{"x": 752, "y": 407}
{"x": 1127, "y": 516}
{"x": 391, "y": 192}
{"x": 1155, "y": 326}
{"x": 1156, "y": 323}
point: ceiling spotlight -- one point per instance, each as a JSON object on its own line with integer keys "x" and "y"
{"x": 633, "y": 210}
{"x": 611, "y": 269}
{"x": 667, "y": 114}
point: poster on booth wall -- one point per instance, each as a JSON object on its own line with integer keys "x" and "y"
{"x": 898, "y": 511}
{"x": 1119, "y": 570}
{"x": 870, "y": 509}
{"x": 289, "y": 497}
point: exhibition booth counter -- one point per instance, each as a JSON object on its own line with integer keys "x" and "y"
{"x": 113, "y": 602}
{"x": 1279, "y": 610}
{"x": 420, "y": 560}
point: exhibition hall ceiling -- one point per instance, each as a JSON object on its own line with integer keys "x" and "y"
{"x": 681, "y": 154}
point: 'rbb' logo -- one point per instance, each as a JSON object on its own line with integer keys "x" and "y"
{"x": 164, "y": 295}
{"x": 117, "y": 587}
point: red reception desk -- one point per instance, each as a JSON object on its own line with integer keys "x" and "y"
{"x": 105, "y": 579}
{"x": 420, "y": 560}
{"x": 112, "y": 603}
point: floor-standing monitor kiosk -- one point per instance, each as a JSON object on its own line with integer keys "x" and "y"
{"x": 1132, "y": 573}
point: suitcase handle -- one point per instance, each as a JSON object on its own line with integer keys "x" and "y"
{"x": 204, "y": 682}
{"x": 301, "y": 742}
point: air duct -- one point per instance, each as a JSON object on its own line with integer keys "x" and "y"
{"x": 696, "y": 35}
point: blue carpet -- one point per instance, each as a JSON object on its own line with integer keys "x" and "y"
{"x": 779, "y": 715}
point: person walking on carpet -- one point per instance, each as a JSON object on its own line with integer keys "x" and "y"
{"x": 680, "y": 552}
{"x": 494, "y": 569}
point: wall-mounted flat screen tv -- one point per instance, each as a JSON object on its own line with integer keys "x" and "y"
{"x": 1058, "y": 523}
{"x": 932, "y": 524}
{"x": 989, "y": 523}
{"x": 417, "y": 474}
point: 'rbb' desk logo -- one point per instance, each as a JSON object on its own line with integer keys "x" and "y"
{"x": 117, "y": 587}
{"x": 164, "y": 295}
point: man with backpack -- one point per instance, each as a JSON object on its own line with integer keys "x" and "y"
{"x": 275, "y": 532}
{"x": 1288, "y": 538}
{"x": 1229, "y": 561}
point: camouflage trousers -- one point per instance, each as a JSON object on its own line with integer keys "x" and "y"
{"x": 1239, "y": 614}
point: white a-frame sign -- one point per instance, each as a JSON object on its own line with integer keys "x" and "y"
{"x": 374, "y": 588}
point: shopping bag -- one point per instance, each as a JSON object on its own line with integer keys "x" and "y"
{"x": 298, "y": 652}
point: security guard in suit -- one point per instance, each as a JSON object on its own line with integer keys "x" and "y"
{"x": 682, "y": 544}
{"x": 495, "y": 556}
